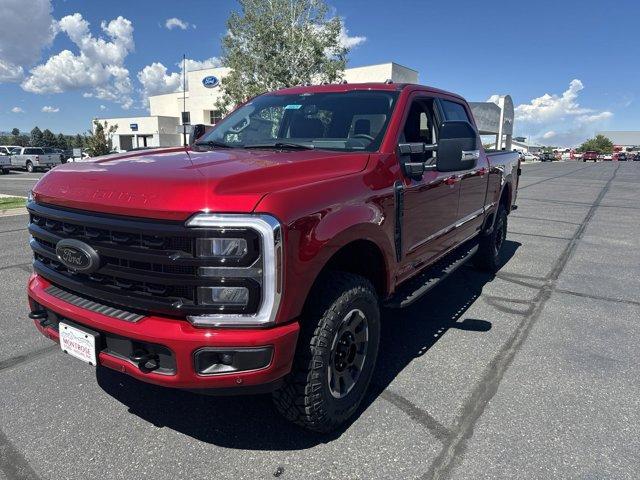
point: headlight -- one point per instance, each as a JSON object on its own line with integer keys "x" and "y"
{"x": 244, "y": 263}
{"x": 221, "y": 247}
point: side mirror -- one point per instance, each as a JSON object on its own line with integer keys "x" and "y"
{"x": 414, "y": 170}
{"x": 457, "y": 146}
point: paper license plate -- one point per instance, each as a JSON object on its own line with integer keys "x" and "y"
{"x": 78, "y": 343}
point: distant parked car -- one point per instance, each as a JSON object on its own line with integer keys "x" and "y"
{"x": 5, "y": 162}
{"x": 70, "y": 158}
{"x": 607, "y": 157}
{"x": 620, "y": 156}
{"x": 547, "y": 157}
{"x": 590, "y": 155}
{"x": 530, "y": 157}
{"x": 635, "y": 157}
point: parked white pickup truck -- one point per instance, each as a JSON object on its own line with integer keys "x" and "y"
{"x": 33, "y": 158}
{"x": 5, "y": 159}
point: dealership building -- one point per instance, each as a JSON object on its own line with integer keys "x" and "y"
{"x": 163, "y": 127}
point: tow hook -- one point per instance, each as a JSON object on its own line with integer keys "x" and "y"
{"x": 146, "y": 361}
{"x": 41, "y": 316}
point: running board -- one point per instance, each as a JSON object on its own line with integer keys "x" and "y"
{"x": 413, "y": 289}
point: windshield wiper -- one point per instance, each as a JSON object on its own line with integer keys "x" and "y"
{"x": 213, "y": 143}
{"x": 281, "y": 146}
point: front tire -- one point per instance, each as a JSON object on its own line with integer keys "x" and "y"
{"x": 336, "y": 354}
{"x": 488, "y": 256}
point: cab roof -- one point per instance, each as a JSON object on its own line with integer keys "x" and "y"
{"x": 372, "y": 86}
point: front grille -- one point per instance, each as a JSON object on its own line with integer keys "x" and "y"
{"x": 146, "y": 266}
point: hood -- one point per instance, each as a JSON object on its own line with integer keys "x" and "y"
{"x": 173, "y": 184}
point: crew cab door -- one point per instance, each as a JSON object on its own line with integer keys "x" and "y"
{"x": 429, "y": 205}
{"x": 473, "y": 181}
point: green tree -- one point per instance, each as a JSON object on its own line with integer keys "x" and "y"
{"x": 36, "y": 138}
{"x": 600, "y": 144}
{"x": 15, "y": 132}
{"x": 277, "y": 44}
{"x": 48, "y": 138}
{"x": 78, "y": 141}
{"x": 61, "y": 141}
{"x": 99, "y": 142}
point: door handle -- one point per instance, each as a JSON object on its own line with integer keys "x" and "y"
{"x": 452, "y": 180}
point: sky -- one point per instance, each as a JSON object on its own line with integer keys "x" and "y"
{"x": 570, "y": 66}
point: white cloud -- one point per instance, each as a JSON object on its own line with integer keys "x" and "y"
{"x": 174, "y": 22}
{"x": 156, "y": 79}
{"x": 103, "y": 107}
{"x": 99, "y": 65}
{"x": 553, "y": 107}
{"x": 560, "y": 119}
{"x": 17, "y": 110}
{"x": 25, "y": 31}
{"x": 50, "y": 109}
{"x": 347, "y": 41}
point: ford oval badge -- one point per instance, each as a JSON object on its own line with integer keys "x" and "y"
{"x": 210, "y": 81}
{"x": 77, "y": 256}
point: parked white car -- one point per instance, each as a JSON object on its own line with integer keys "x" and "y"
{"x": 33, "y": 158}
{"x": 5, "y": 159}
{"x": 529, "y": 157}
{"x": 85, "y": 155}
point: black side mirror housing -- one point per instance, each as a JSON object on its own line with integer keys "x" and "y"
{"x": 458, "y": 146}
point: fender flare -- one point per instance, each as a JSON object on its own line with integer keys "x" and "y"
{"x": 490, "y": 215}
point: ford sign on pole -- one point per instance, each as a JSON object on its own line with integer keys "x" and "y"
{"x": 210, "y": 81}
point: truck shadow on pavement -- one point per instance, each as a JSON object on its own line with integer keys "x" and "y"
{"x": 251, "y": 422}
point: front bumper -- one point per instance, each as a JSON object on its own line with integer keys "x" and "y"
{"x": 181, "y": 338}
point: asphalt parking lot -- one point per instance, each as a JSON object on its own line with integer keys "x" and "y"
{"x": 531, "y": 374}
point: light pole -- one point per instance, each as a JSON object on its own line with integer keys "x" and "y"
{"x": 184, "y": 100}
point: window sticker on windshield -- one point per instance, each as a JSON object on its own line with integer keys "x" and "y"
{"x": 293, "y": 106}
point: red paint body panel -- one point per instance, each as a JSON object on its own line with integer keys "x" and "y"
{"x": 324, "y": 200}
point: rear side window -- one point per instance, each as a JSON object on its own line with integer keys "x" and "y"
{"x": 454, "y": 111}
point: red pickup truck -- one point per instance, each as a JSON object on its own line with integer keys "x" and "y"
{"x": 258, "y": 258}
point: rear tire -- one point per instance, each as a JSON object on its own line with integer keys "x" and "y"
{"x": 488, "y": 256}
{"x": 4, "y": 171}
{"x": 29, "y": 167}
{"x": 335, "y": 356}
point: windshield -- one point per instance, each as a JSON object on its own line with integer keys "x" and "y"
{"x": 346, "y": 121}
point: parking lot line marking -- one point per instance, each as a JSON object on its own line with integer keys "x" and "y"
{"x": 538, "y": 235}
{"x": 455, "y": 446}
{"x": 16, "y": 265}
{"x": 597, "y": 297}
{"x": 27, "y": 357}
{"x": 12, "y": 463}
{"x": 13, "y": 231}
{"x": 417, "y": 414}
{"x": 553, "y": 178}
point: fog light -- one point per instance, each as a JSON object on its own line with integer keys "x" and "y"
{"x": 223, "y": 296}
{"x": 221, "y": 247}
{"x": 213, "y": 361}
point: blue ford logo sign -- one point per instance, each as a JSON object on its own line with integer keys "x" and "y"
{"x": 210, "y": 81}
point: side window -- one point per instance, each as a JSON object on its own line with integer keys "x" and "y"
{"x": 454, "y": 111}
{"x": 420, "y": 127}
{"x": 28, "y": 151}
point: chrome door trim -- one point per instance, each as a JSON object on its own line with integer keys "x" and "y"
{"x": 449, "y": 228}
